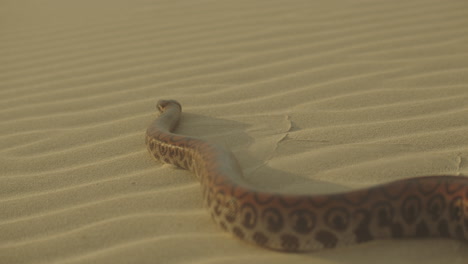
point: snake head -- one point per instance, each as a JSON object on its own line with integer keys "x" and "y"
{"x": 162, "y": 105}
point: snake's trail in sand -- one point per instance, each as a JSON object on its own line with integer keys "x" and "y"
{"x": 430, "y": 206}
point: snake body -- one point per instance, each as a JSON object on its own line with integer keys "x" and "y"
{"x": 430, "y": 206}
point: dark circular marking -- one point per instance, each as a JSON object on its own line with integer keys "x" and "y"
{"x": 260, "y": 238}
{"x": 436, "y": 206}
{"x": 328, "y": 239}
{"x": 182, "y": 156}
{"x": 273, "y": 219}
{"x": 176, "y": 154}
{"x": 162, "y": 149}
{"x": 182, "y": 153}
{"x": 383, "y": 212}
{"x": 249, "y": 215}
{"x": 151, "y": 145}
{"x": 289, "y": 242}
{"x": 303, "y": 221}
{"x": 455, "y": 209}
{"x": 156, "y": 155}
{"x": 422, "y": 230}
{"x": 232, "y": 210}
{"x": 238, "y": 232}
{"x": 173, "y": 151}
{"x": 337, "y": 218}
{"x": 411, "y": 209}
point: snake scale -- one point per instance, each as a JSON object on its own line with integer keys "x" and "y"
{"x": 429, "y": 206}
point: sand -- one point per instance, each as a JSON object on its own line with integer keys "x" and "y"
{"x": 311, "y": 96}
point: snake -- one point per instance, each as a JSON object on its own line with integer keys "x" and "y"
{"x": 418, "y": 207}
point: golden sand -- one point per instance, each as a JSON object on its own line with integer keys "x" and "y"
{"x": 311, "y": 96}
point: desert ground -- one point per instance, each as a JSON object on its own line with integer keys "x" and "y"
{"x": 310, "y": 96}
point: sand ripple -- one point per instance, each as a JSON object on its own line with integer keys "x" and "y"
{"x": 312, "y": 96}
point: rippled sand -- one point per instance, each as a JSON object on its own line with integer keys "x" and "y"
{"x": 311, "y": 96}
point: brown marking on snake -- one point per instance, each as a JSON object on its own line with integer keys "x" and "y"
{"x": 430, "y": 206}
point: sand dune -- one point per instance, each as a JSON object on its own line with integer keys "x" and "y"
{"x": 311, "y": 96}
